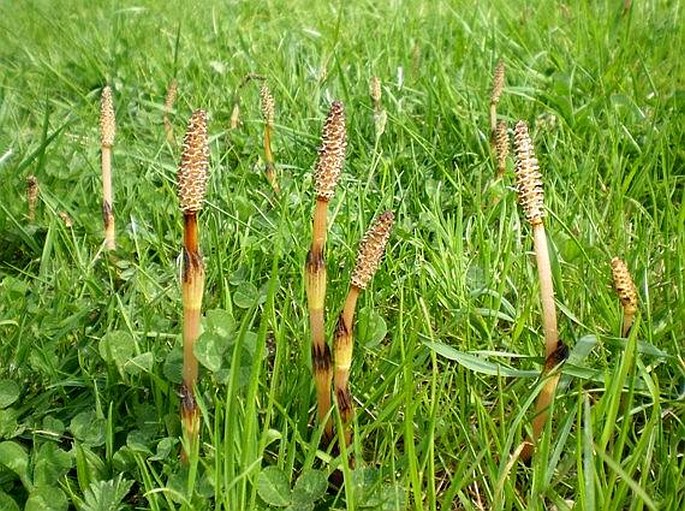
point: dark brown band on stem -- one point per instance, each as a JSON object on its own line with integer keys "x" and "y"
{"x": 344, "y": 398}
{"x": 192, "y": 264}
{"x": 315, "y": 261}
{"x": 190, "y": 232}
{"x": 107, "y": 215}
{"x": 188, "y": 403}
{"x": 321, "y": 358}
{"x": 342, "y": 331}
{"x": 557, "y": 357}
{"x": 190, "y": 417}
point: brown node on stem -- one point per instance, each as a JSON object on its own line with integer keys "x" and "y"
{"x": 528, "y": 177}
{"x": 190, "y": 417}
{"x": 188, "y": 402}
{"x": 497, "y": 83}
{"x": 192, "y": 258}
{"x": 557, "y": 357}
{"x": 107, "y": 119}
{"x": 107, "y": 215}
{"x": 546, "y": 397}
{"x": 343, "y": 397}
{"x": 371, "y": 250}
{"x": 192, "y": 171}
{"x": 501, "y": 140}
{"x": 331, "y": 153}
{"x": 321, "y": 357}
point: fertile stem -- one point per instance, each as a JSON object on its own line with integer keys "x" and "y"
{"x": 626, "y": 291}
{"x": 326, "y": 173}
{"x": 192, "y": 184}
{"x": 530, "y": 191}
{"x": 371, "y": 250}
{"x": 501, "y": 144}
{"x": 107, "y": 132}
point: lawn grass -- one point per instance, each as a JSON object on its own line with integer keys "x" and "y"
{"x": 449, "y": 342}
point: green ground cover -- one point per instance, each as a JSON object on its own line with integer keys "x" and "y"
{"x": 448, "y": 340}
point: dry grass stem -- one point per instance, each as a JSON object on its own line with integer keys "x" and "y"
{"x": 31, "y": 196}
{"x": 107, "y": 132}
{"x": 380, "y": 117}
{"x": 235, "y": 115}
{"x": 626, "y": 291}
{"x": 496, "y": 94}
{"x": 375, "y": 93}
{"x": 192, "y": 185}
{"x": 171, "y": 94}
{"x": 268, "y": 114}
